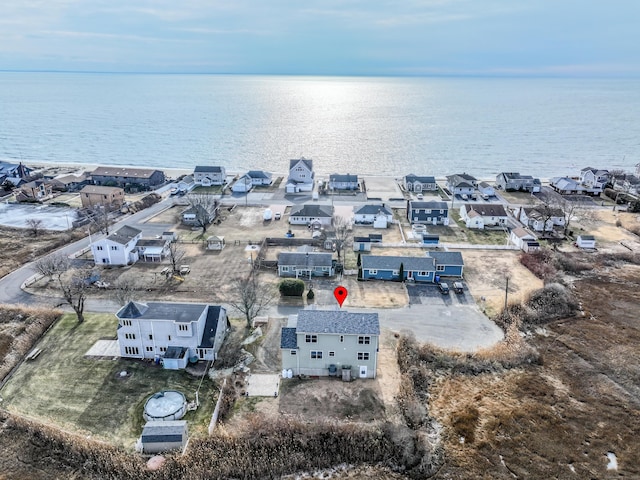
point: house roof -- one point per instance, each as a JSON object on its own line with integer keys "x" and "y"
{"x": 586, "y": 237}
{"x": 211, "y": 326}
{"x": 461, "y": 180}
{"x": 288, "y": 338}
{"x": 372, "y": 209}
{"x": 416, "y": 178}
{"x": 307, "y": 162}
{"x": 69, "y": 179}
{"x": 432, "y": 205}
{"x": 447, "y": 258}
{"x": 161, "y": 431}
{"x": 361, "y": 240}
{"x": 175, "y": 312}
{"x": 152, "y": 242}
{"x": 486, "y": 209}
{"x": 388, "y": 262}
{"x": 522, "y": 233}
{"x": 339, "y": 177}
{"x": 208, "y": 169}
{"x": 124, "y": 172}
{"x": 187, "y": 179}
{"x": 98, "y": 189}
{"x": 196, "y": 210}
{"x": 564, "y": 183}
{"x": 537, "y": 213}
{"x": 308, "y": 259}
{"x": 124, "y": 235}
{"x": 258, "y": 174}
{"x": 311, "y": 210}
{"x": 338, "y": 321}
{"x": 484, "y": 185}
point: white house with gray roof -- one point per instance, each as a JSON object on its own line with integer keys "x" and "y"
{"x": 378, "y": 215}
{"x": 260, "y": 177}
{"x": 419, "y": 184}
{"x": 325, "y": 342}
{"x": 173, "y": 332}
{"x": 311, "y": 214}
{"x": 305, "y": 264}
{"x": 207, "y": 175}
{"x": 343, "y": 181}
{"x": 119, "y": 248}
{"x": 301, "y": 176}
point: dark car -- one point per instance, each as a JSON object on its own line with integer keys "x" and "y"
{"x": 444, "y": 288}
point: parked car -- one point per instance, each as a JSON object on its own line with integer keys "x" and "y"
{"x": 420, "y": 196}
{"x": 444, "y": 288}
{"x": 458, "y": 287}
{"x": 277, "y": 216}
{"x": 464, "y": 196}
{"x": 184, "y": 269}
{"x": 485, "y": 196}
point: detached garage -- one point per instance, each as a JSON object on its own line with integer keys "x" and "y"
{"x": 161, "y": 436}
{"x": 586, "y": 241}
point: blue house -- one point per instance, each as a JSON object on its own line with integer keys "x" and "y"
{"x": 416, "y": 269}
{"x": 430, "y": 213}
{"x": 448, "y": 264}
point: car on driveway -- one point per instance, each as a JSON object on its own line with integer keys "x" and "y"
{"x": 444, "y": 288}
{"x": 458, "y": 287}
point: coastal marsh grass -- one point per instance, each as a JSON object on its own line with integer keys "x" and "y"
{"x": 65, "y": 388}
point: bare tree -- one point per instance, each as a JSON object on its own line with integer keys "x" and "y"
{"x": 52, "y": 265}
{"x": 99, "y": 217}
{"x": 35, "y": 225}
{"x": 125, "y": 289}
{"x": 74, "y": 286}
{"x": 175, "y": 255}
{"x": 569, "y": 210}
{"x": 250, "y": 297}
{"x": 205, "y": 208}
{"x": 342, "y": 230}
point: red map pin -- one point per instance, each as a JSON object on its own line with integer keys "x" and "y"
{"x": 341, "y": 294}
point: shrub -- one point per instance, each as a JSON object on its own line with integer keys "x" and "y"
{"x": 290, "y": 287}
{"x": 549, "y": 303}
{"x": 310, "y": 295}
{"x": 539, "y": 263}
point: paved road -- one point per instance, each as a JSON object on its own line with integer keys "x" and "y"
{"x": 459, "y": 325}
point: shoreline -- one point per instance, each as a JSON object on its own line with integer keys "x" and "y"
{"x": 174, "y": 173}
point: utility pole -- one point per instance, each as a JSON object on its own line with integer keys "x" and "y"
{"x": 506, "y": 294}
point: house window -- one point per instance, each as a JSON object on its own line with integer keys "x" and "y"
{"x": 99, "y": 247}
{"x": 150, "y": 337}
{"x": 396, "y": 272}
{"x": 332, "y": 354}
{"x": 114, "y": 247}
{"x": 316, "y": 354}
{"x": 131, "y": 350}
{"x": 440, "y": 268}
{"x": 126, "y": 323}
{"x": 363, "y": 355}
{"x": 341, "y": 338}
{"x": 373, "y": 272}
{"x": 130, "y": 336}
{"x": 292, "y": 352}
{"x": 149, "y": 349}
{"x": 423, "y": 274}
{"x": 169, "y": 337}
{"x": 285, "y": 268}
{"x": 311, "y": 339}
{"x": 163, "y": 349}
{"x": 364, "y": 340}
{"x": 183, "y": 328}
{"x": 442, "y": 212}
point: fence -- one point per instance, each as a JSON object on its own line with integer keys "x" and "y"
{"x": 216, "y": 410}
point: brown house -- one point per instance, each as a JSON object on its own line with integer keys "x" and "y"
{"x": 127, "y": 176}
{"x": 37, "y": 189}
{"x": 95, "y": 195}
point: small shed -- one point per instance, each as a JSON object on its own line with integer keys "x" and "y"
{"x": 215, "y": 242}
{"x": 586, "y": 241}
{"x": 361, "y": 244}
{"x": 429, "y": 239}
{"x": 161, "y": 436}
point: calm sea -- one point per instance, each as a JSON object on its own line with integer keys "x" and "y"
{"x": 386, "y": 126}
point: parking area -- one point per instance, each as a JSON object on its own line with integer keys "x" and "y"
{"x": 430, "y": 294}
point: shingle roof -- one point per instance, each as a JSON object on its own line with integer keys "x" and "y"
{"x": 306, "y": 161}
{"x": 258, "y": 174}
{"x": 100, "y": 189}
{"x": 124, "y": 235}
{"x": 429, "y": 205}
{"x": 310, "y": 210}
{"x": 386, "y": 262}
{"x": 447, "y": 258}
{"x": 288, "y": 338}
{"x": 337, "y": 321}
{"x": 175, "y": 312}
{"x": 372, "y": 210}
{"x": 311, "y": 259}
{"x": 415, "y": 178}
{"x": 123, "y": 172}
{"x": 208, "y": 169}
{"x": 159, "y": 431}
{"x": 338, "y": 177}
{"x": 486, "y": 209}
{"x": 522, "y": 233}
{"x": 210, "y": 326}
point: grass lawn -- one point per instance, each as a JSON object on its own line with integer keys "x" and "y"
{"x": 86, "y": 394}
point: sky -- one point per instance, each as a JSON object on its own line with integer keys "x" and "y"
{"x": 324, "y": 37}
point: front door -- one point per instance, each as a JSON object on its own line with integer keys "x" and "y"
{"x": 363, "y": 371}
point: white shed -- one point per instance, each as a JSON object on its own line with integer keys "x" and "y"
{"x": 161, "y": 436}
{"x": 586, "y": 241}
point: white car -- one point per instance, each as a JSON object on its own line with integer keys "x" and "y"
{"x": 277, "y": 216}
{"x": 464, "y": 196}
{"x": 419, "y": 196}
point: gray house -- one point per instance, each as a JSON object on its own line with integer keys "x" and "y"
{"x": 431, "y": 213}
{"x": 326, "y": 342}
{"x": 301, "y": 176}
{"x": 207, "y": 175}
{"x": 343, "y": 182}
{"x": 461, "y": 184}
{"x": 305, "y": 264}
{"x": 161, "y": 436}
{"x": 419, "y": 184}
{"x": 513, "y": 181}
{"x": 311, "y": 214}
{"x": 123, "y": 176}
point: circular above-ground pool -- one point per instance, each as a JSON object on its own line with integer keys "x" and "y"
{"x": 165, "y": 405}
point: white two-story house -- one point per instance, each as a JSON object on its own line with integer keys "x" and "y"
{"x": 301, "y": 176}
{"x": 174, "y": 333}
{"x": 207, "y": 175}
{"x": 325, "y": 342}
{"x": 119, "y": 248}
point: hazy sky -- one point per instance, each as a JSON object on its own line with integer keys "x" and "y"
{"x": 343, "y": 37}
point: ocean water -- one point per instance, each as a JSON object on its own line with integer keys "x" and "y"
{"x": 368, "y": 125}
